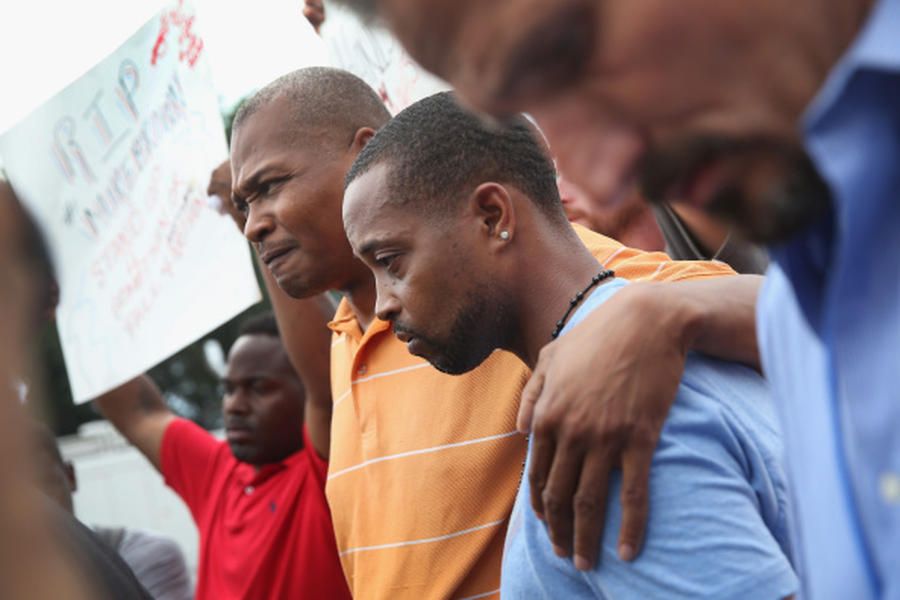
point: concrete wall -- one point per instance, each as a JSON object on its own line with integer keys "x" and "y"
{"x": 118, "y": 487}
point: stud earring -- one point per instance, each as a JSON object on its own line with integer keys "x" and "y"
{"x": 504, "y": 235}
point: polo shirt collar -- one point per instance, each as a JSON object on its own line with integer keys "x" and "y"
{"x": 344, "y": 321}
{"x": 875, "y": 47}
{"x": 247, "y": 474}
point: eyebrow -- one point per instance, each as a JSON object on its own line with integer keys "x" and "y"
{"x": 252, "y": 182}
{"x": 370, "y": 245}
{"x": 249, "y": 378}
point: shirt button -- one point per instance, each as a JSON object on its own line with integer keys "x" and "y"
{"x": 361, "y": 370}
{"x": 890, "y": 488}
{"x": 248, "y": 490}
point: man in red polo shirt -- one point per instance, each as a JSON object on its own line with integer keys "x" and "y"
{"x": 258, "y": 499}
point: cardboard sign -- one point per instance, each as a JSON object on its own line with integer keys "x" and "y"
{"x": 252, "y": 44}
{"x": 115, "y": 168}
{"x": 376, "y": 57}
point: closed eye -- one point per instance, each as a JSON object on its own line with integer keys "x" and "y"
{"x": 389, "y": 262}
{"x": 261, "y": 386}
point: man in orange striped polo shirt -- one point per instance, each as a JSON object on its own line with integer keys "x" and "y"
{"x": 423, "y": 471}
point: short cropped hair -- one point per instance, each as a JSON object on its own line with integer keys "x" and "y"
{"x": 262, "y": 324}
{"x": 323, "y": 100}
{"x": 439, "y": 152}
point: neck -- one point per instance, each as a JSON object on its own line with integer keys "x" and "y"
{"x": 847, "y": 20}
{"x": 832, "y": 26}
{"x": 842, "y": 23}
{"x": 360, "y": 293}
{"x": 553, "y": 269}
{"x": 804, "y": 41}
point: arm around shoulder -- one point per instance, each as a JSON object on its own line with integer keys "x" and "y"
{"x": 138, "y": 410}
{"x": 719, "y": 315}
{"x": 604, "y": 390}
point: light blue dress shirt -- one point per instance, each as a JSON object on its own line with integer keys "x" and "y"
{"x": 829, "y": 329}
{"x": 718, "y": 503}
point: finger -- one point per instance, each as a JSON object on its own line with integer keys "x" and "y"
{"x": 558, "y": 497}
{"x": 636, "y": 462}
{"x": 529, "y": 398}
{"x": 542, "y": 449}
{"x": 590, "y": 509}
{"x": 315, "y": 15}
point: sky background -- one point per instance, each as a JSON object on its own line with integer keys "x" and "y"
{"x": 47, "y": 44}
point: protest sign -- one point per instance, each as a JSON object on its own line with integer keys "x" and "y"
{"x": 376, "y": 57}
{"x": 282, "y": 41}
{"x": 114, "y": 168}
{"x": 81, "y": 34}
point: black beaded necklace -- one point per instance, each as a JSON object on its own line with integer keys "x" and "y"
{"x": 577, "y": 298}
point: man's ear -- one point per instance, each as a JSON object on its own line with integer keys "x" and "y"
{"x": 493, "y": 207}
{"x": 361, "y": 138}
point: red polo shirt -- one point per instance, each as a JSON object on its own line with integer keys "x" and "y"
{"x": 264, "y": 534}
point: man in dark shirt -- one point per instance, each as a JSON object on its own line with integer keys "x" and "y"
{"x": 65, "y": 554}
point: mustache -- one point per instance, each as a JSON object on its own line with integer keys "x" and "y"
{"x": 663, "y": 167}
{"x": 237, "y": 423}
{"x": 773, "y": 190}
{"x": 401, "y": 328}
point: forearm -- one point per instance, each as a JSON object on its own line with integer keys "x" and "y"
{"x": 129, "y": 403}
{"x": 138, "y": 410}
{"x": 307, "y": 340}
{"x": 716, "y": 316}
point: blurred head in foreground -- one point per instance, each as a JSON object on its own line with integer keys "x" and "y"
{"x": 699, "y": 101}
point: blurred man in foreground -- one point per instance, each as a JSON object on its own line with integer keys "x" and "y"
{"x": 257, "y": 498}
{"x": 478, "y": 256}
{"x": 783, "y": 118}
{"x": 44, "y": 551}
{"x": 156, "y": 561}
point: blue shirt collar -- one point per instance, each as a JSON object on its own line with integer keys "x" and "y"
{"x": 877, "y": 47}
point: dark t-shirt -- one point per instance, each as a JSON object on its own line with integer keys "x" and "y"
{"x": 98, "y": 563}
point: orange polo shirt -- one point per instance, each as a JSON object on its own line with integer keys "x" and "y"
{"x": 424, "y": 466}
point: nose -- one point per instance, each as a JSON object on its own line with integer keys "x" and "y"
{"x": 259, "y": 223}
{"x": 387, "y": 306}
{"x": 235, "y": 403}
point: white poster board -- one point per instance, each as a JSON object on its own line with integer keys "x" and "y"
{"x": 115, "y": 169}
{"x": 80, "y": 34}
{"x": 253, "y": 43}
{"x": 376, "y": 57}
